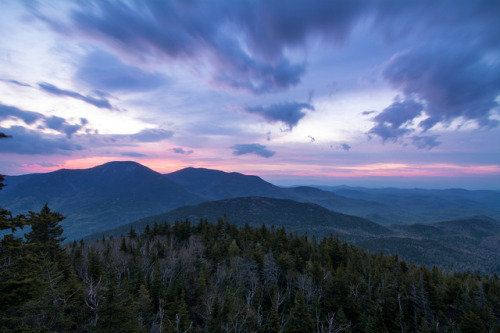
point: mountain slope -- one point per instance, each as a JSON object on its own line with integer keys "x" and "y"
{"x": 98, "y": 198}
{"x": 455, "y": 245}
{"x": 421, "y": 205}
{"x": 216, "y": 185}
{"x": 467, "y": 243}
{"x": 300, "y": 217}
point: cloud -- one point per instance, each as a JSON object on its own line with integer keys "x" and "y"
{"x": 152, "y": 135}
{"x": 52, "y": 89}
{"x": 451, "y": 81}
{"x": 103, "y": 71}
{"x": 28, "y": 117}
{"x": 180, "y": 150}
{"x": 30, "y": 142}
{"x": 240, "y": 53}
{"x": 252, "y": 148}
{"x": 132, "y": 154}
{"x": 393, "y": 121}
{"x": 56, "y": 123}
{"x": 60, "y": 124}
{"x": 425, "y": 142}
{"x": 22, "y": 84}
{"x": 345, "y": 146}
{"x": 289, "y": 113}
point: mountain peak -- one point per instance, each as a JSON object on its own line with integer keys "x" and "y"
{"x": 123, "y": 167}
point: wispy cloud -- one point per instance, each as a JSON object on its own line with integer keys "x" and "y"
{"x": 97, "y": 102}
{"x": 103, "y": 71}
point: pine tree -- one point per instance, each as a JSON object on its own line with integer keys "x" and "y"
{"x": 300, "y": 319}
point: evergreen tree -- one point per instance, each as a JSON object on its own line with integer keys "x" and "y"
{"x": 300, "y": 319}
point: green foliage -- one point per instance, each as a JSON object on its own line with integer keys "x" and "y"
{"x": 214, "y": 278}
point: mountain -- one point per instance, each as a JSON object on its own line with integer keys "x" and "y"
{"x": 455, "y": 245}
{"x": 421, "y": 205}
{"x": 98, "y": 198}
{"x": 117, "y": 193}
{"x": 471, "y": 243}
{"x": 300, "y": 217}
{"x": 216, "y": 185}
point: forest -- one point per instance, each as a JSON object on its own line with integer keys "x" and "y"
{"x": 215, "y": 277}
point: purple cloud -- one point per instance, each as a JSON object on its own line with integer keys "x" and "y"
{"x": 60, "y": 124}
{"x": 18, "y": 83}
{"x": 451, "y": 81}
{"x": 289, "y": 113}
{"x": 252, "y": 148}
{"x": 392, "y": 121}
{"x": 242, "y": 54}
{"x": 180, "y": 150}
{"x": 28, "y": 117}
{"x": 34, "y": 143}
{"x": 56, "y": 123}
{"x": 132, "y": 154}
{"x": 152, "y": 135}
{"x": 345, "y": 146}
{"x": 425, "y": 142}
{"x": 103, "y": 71}
{"x": 52, "y": 89}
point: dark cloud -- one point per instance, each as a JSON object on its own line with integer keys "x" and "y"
{"x": 101, "y": 70}
{"x": 100, "y": 103}
{"x": 28, "y": 117}
{"x": 180, "y": 150}
{"x": 425, "y": 142}
{"x": 392, "y": 122}
{"x": 289, "y": 113}
{"x": 252, "y": 148}
{"x": 132, "y": 154}
{"x": 451, "y": 81}
{"x": 152, "y": 135}
{"x": 60, "y": 124}
{"x": 367, "y": 113}
{"x": 244, "y": 41}
{"x": 56, "y": 123}
{"x": 30, "y": 142}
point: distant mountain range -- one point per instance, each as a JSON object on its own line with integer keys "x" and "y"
{"x": 116, "y": 193}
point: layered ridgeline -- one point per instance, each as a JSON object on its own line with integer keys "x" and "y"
{"x": 117, "y": 193}
{"x": 456, "y": 245}
{"x": 202, "y": 277}
{"x": 98, "y": 198}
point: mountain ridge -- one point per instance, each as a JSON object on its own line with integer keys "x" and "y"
{"x": 120, "y": 192}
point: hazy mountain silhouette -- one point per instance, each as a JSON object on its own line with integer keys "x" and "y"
{"x": 117, "y": 193}
{"x": 301, "y": 217}
{"x": 98, "y": 198}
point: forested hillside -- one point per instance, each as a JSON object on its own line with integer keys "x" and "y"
{"x": 471, "y": 243}
{"x": 207, "y": 277}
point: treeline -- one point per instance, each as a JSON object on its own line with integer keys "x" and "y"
{"x": 207, "y": 277}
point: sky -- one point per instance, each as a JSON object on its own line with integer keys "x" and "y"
{"x": 363, "y": 93}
